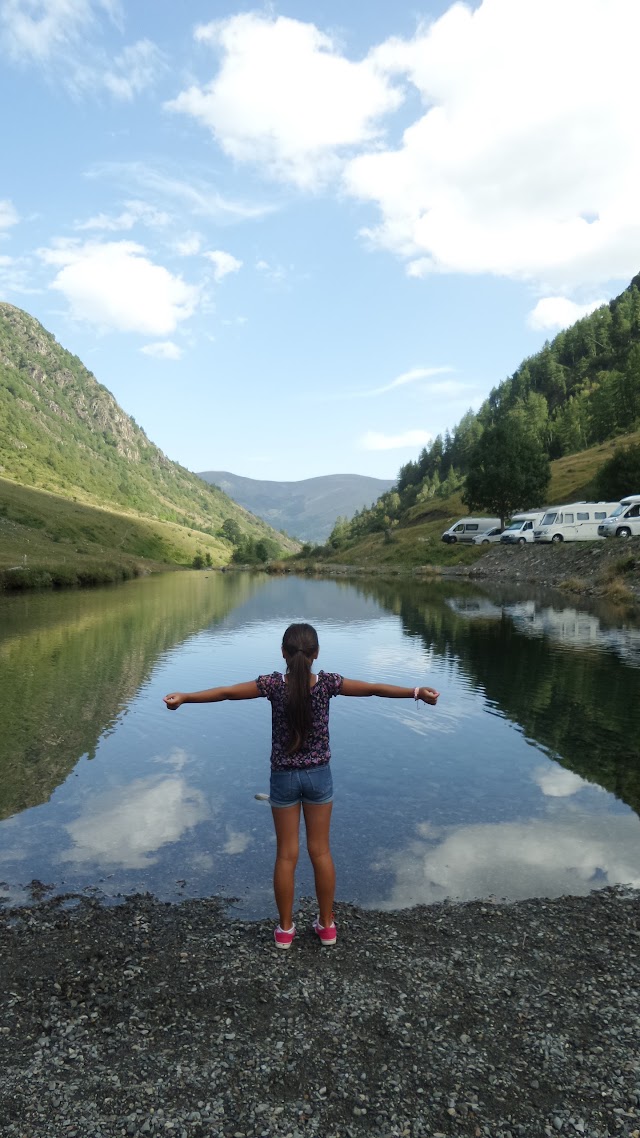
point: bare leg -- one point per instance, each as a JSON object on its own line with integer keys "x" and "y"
{"x": 317, "y": 821}
{"x": 286, "y": 820}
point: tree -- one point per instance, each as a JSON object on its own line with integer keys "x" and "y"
{"x": 340, "y": 533}
{"x": 509, "y": 470}
{"x": 231, "y": 530}
{"x": 620, "y": 475}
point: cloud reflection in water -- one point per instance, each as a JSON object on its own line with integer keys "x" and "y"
{"x": 514, "y": 860}
{"x": 126, "y": 826}
{"x": 556, "y": 782}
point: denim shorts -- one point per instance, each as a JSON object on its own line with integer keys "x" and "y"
{"x": 311, "y": 786}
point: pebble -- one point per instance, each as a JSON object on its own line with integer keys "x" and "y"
{"x": 386, "y": 1021}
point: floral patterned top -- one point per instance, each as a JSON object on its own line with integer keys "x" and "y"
{"x": 316, "y": 752}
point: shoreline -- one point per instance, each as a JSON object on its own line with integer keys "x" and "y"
{"x": 472, "y": 1018}
{"x": 605, "y": 569}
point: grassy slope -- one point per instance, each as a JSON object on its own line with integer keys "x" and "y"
{"x": 417, "y": 541}
{"x": 62, "y": 431}
{"x": 42, "y": 530}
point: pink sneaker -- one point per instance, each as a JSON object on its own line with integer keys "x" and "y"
{"x": 284, "y": 937}
{"x": 327, "y": 934}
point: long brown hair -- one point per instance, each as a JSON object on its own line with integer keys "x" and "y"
{"x": 299, "y": 646}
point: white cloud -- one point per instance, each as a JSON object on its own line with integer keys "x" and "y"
{"x": 200, "y": 197}
{"x": 285, "y": 97}
{"x": 556, "y": 782}
{"x": 546, "y": 857}
{"x": 559, "y": 312}
{"x": 237, "y": 841}
{"x": 16, "y": 276}
{"x": 525, "y": 162}
{"x": 115, "y": 285}
{"x": 134, "y": 212}
{"x": 163, "y": 350}
{"x": 224, "y": 263}
{"x": 410, "y": 376}
{"x": 374, "y": 440}
{"x": 132, "y": 71}
{"x": 126, "y": 827}
{"x": 188, "y": 245}
{"x": 275, "y": 273}
{"x": 63, "y": 36}
{"x": 39, "y": 29}
{"x": 135, "y": 69}
{"x": 8, "y": 214}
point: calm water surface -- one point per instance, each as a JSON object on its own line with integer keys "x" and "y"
{"x": 524, "y": 781}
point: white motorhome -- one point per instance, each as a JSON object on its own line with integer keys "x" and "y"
{"x": 467, "y": 529}
{"x": 521, "y": 527}
{"x": 575, "y": 521}
{"x": 624, "y": 521}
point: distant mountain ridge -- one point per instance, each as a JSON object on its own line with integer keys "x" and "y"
{"x": 306, "y": 509}
{"x": 63, "y": 431}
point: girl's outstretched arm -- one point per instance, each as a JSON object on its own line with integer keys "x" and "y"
{"x": 388, "y": 691}
{"x": 212, "y": 695}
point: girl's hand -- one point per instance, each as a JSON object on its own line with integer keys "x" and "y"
{"x": 174, "y": 701}
{"x": 428, "y": 695}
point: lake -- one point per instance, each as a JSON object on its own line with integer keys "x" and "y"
{"x": 524, "y": 780}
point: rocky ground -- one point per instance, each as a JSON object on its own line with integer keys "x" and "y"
{"x": 598, "y": 568}
{"x": 609, "y": 569}
{"x": 479, "y": 1019}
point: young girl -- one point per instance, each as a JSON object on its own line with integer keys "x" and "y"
{"x": 300, "y": 771}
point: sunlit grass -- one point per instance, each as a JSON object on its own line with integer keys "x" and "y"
{"x": 42, "y": 533}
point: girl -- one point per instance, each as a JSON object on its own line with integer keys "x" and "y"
{"x": 300, "y": 771}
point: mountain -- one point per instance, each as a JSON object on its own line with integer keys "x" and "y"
{"x": 307, "y": 509}
{"x": 63, "y": 431}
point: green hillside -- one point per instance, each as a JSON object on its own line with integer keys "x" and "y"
{"x": 62, "y": 432}
{"x": 416, "y": 539}
{"x": 566, "y": 409}
{"x": 47, "y": 539}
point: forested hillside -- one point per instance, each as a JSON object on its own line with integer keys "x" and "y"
{"x": 580, "y": 390}
{"x": 63, "y": 431}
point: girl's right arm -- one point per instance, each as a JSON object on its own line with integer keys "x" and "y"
{"x": 212, "y": 695}
{"x": 388, "y": 691}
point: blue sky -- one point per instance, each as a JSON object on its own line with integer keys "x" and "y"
{"x": 304, "y": 238}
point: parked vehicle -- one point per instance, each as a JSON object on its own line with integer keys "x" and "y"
{"x": 625, "y": 519}
{"x": 521, "y": 528}
{"x": 576, "y": 521}
{"x": 486, "y": 537}
{"x": 467, "y": 529}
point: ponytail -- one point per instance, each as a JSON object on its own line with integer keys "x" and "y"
{"x": 299, "y": 646}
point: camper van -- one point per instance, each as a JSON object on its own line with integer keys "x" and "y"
{"x": 624, "y": 521}
{"x": 467, "y": 529}
{"x": 576, "y": 521}
{"x": 521, "y": 528}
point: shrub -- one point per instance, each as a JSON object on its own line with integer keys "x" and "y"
{"x": 618, "y": 593}
{"x": 573, "y": 585}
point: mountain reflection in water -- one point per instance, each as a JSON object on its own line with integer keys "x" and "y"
{"x": 524, "y": 780}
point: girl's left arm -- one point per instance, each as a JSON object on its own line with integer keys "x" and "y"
{"x": 388, "y": 691}
{"x": 212, "y": 695}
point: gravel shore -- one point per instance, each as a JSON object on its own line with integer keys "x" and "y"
{"x": 474, "y": 1019}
